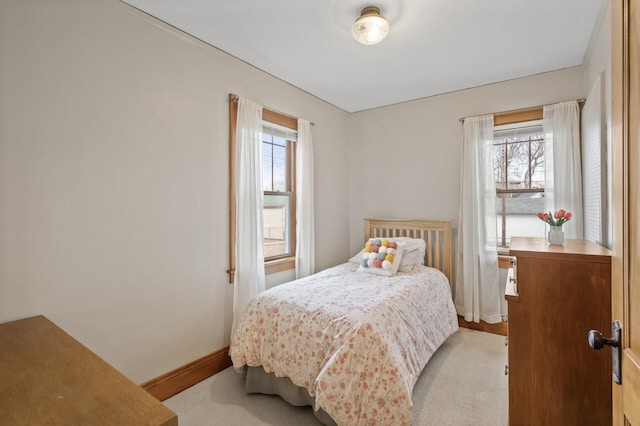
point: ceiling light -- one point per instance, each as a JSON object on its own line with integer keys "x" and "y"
{"x": 371, "y": 27}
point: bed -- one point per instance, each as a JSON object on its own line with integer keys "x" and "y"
{"x": 352, "y": 340}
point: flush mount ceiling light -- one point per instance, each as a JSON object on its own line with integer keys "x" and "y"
{"x": 371, "y": 27}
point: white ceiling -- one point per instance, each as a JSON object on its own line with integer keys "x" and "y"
{"x": 433, "y": 47}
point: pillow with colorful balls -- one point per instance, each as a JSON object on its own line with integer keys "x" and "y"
{"x": 381, "y": 257}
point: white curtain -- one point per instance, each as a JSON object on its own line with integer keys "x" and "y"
{"x": 249, "y": 278}
{"x": 563, "y": 174}
{"x": 305, "y": 240}
{"x": 477, "y": 292}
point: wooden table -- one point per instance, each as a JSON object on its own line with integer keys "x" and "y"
{"x": 49, "y": 378}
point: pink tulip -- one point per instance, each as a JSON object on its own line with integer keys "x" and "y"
{"x": 540, "y": 216}
{"x": 567, "y": 216}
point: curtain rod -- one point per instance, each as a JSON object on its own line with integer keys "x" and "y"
{"x": 236, "y": 97}
{"x": 513, "y": 111}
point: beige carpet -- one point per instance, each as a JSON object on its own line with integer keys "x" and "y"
{"x": 463, "y": 384}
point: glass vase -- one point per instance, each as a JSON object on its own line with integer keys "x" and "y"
{"x": 556, "y": 235}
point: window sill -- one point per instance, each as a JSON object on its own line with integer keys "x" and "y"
{"x": 279, "y": 265}
{"x": 503, "y": 251}
{"x": 271, "y": 266}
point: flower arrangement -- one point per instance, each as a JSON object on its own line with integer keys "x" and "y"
{"x": 556, "y": 219}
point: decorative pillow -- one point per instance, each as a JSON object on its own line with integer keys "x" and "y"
{"x": 414, "y": 251}
{"x": 381, "y": 257}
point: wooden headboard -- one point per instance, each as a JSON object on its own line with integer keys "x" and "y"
{"x": 436, "y": 233}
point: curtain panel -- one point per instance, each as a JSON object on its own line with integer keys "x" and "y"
{"x": 249, "y": 279}
{"x": 305, "y": 234}
{"x": 477, "y": 291}
{"x": 563, "y": 169}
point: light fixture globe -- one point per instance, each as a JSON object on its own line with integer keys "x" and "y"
{"x": 371, "y": 27}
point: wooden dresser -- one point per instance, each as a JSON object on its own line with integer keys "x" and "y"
{"x": 49, "y": 378}
{"x": 561, "y": 292}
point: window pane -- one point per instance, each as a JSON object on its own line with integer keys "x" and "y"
{"x": 277, "y": 218}
{"x": 537, "y": 163}
{"x": 274, "y": 163}
{"x": 517, "y": 165}
{"x": 267, "y": 166}
{"x": 279, "y": 168}
{"x": 520, "y": 218}
{"x": 500, "y": 172}
{"x": 525, "y": 162}
{"x": 518, "y": 158}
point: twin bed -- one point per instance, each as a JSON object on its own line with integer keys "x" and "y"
{"x": 352, "y": 340}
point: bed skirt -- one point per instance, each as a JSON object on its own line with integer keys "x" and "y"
{"x": 259, "y": 381}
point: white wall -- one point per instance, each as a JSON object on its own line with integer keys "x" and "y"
{"x": 404, "y": 159}
{"x": 114, "y": 179}
{"x": 598, "y": 57}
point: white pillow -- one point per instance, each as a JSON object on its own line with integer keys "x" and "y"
{"x": 413, "y": 243}
{"x": 410, "y": 258}
{"x": 357, "y": 257}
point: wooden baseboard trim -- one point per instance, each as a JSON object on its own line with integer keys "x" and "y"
{"x": 184, "y": 377}
{"x": 499, "y": 328}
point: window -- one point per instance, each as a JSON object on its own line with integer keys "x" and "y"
{"x": 518, "y": 161}
{"x": 278, "y": 159}
{"x": 278, "y": 162}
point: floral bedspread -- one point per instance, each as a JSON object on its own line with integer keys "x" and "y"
{"x": 357, "y": 342}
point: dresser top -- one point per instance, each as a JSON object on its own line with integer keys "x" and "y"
{"x": 50, "y": 378}
{"x": 571, "y": 249}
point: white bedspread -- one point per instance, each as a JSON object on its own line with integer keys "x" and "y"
{"x": 357, "y": 342}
